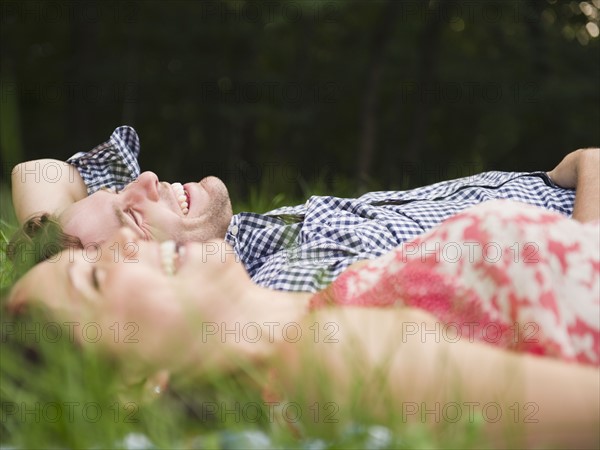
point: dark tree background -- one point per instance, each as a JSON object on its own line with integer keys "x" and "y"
{"x": 295, "y": 95}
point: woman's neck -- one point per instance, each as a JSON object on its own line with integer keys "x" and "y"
{"x": 244, "y": 326}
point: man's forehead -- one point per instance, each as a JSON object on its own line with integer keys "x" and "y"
{"x": 93, "y": 218}
{"x": 87, "y": 204}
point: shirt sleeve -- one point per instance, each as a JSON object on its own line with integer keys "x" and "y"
{"x": 112, "y": 164}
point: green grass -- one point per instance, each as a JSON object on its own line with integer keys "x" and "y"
{"x": 54, "y": 394}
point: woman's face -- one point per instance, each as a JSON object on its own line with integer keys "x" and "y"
{"x": 142, "y": 301}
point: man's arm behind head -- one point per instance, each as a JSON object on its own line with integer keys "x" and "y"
{"x": 45, "y": 186}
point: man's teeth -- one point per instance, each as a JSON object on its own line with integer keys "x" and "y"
{"x": 169, "y": 253}
{"x": 181, "y": 197}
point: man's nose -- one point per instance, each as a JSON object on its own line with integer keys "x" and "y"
{"x": 147, "y": 184}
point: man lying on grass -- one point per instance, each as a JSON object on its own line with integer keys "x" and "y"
{"x": 301, "y": 248}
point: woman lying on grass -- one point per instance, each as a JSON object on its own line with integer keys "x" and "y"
{"x": 499, "y": 305}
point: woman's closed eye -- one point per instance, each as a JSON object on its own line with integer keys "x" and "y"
{"x": 95, "y": 281}
{"x": 97, "y": 277}
{"x": 86, "y": 277}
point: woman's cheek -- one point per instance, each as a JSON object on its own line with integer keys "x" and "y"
{"x": 148, "y": 327}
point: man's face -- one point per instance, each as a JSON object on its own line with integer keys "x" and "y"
{"x": 154, "y": 210}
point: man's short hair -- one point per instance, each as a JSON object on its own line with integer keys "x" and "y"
{"x": 41, "y": 237}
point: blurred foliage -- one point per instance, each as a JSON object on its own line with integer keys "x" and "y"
{"x": 383, "y": 94}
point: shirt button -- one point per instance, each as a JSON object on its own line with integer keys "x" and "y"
{"x": 234, "y": 230}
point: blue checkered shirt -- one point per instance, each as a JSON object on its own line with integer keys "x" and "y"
{"x": 305, "y": 247}
{"x": 112, "y": 164}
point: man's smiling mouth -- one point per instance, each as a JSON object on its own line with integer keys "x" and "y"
{"x": 182, "y": 196}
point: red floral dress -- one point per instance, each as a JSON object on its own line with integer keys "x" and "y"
{"x": 502, "y": 272}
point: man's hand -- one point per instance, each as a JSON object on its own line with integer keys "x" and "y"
{"x": 580, "y": 170}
